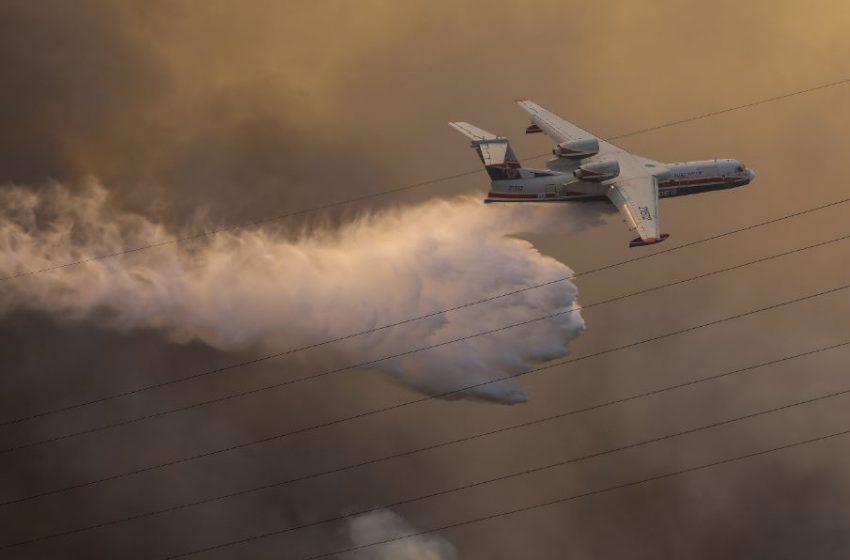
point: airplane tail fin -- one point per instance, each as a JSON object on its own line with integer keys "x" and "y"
{"x": 495, "y": 151}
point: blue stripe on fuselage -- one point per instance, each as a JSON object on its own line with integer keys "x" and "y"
{"x": 581, "y": 198}
{"x": 669, "y": 192}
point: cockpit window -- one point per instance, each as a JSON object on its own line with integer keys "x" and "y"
{"x": 739, "y": 169}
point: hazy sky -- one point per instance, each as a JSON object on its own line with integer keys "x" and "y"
{"x": 203, "y": 114}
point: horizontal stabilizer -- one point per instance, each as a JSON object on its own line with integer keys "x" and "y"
{"x": 474, "y": 133}
{"x": 495, "y": 151}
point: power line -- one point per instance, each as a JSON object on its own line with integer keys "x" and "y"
{"x": 422, "y": 399}
{"x": 409, "y": 352}
{"x": 516, "y": 474}
{"x": 431, "y": 447}
{"x": 574, "y": 496}
{"x": 731, "y": 109}
{"x": 209, "y": 233}
{"x": 229, "y": 367}
{"x": 632, "y": 259}
{"x": 410, "y": 186}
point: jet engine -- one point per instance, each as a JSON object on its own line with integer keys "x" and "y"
{"x": 577, "y": 149}
{"x": 597, "y": 171}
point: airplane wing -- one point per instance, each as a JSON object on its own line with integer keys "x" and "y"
{"x": 637, "y": 199}
{"x": 559, "y": 129}
{"x": 635, "y": 190}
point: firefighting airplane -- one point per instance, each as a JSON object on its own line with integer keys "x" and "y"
{"x": 589, "y": 168}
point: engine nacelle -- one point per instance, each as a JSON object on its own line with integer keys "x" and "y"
{"x": 597, "y": 171}
{"x": 577, "y": 149}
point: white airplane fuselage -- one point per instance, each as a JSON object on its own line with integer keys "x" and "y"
{"x": 559, "y": 184}
{"x": 586, "y": 167}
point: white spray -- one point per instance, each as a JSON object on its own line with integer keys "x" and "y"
{"x": 381, "y": 525}
{"x": 257, "y": 289}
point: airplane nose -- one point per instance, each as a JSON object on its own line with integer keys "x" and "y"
{"x": 751, "y": 173}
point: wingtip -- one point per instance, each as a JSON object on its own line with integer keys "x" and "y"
{"x": 642, "y": 242}
{"x": 520, "y": 99}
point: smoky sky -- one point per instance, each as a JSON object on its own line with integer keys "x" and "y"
{"x": 198, "y": 115}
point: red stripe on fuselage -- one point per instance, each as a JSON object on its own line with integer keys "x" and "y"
{"x": 532, "y": 196}
{"x": 702, "y": 181}
{"x": 511, "y": 195}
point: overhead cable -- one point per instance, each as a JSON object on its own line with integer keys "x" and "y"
{"x": 525, "y": 472}
{"x": 408, "y": 187}
{"x": 431, "y": 447}
{"x": 230, "y": 367}
{"x": 455, "y": 392}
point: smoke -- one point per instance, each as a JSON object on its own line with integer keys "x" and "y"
{"x": 262, "y": 290}
{"x": 384, "y": 524}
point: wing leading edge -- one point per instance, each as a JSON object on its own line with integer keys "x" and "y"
{"x": 561, "y": 130}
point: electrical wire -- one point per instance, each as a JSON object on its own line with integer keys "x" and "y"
{"x": 349, "y": 367}
{"x": 421, "y": 399}
{"x": 410, "y": 186}
{"x": 431, "y": 447}
{"x": 291, "y": 351}
{"x": 449, "y": 177}
{"x": 562, "y": 500}
{"x": 516, "y": 474}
